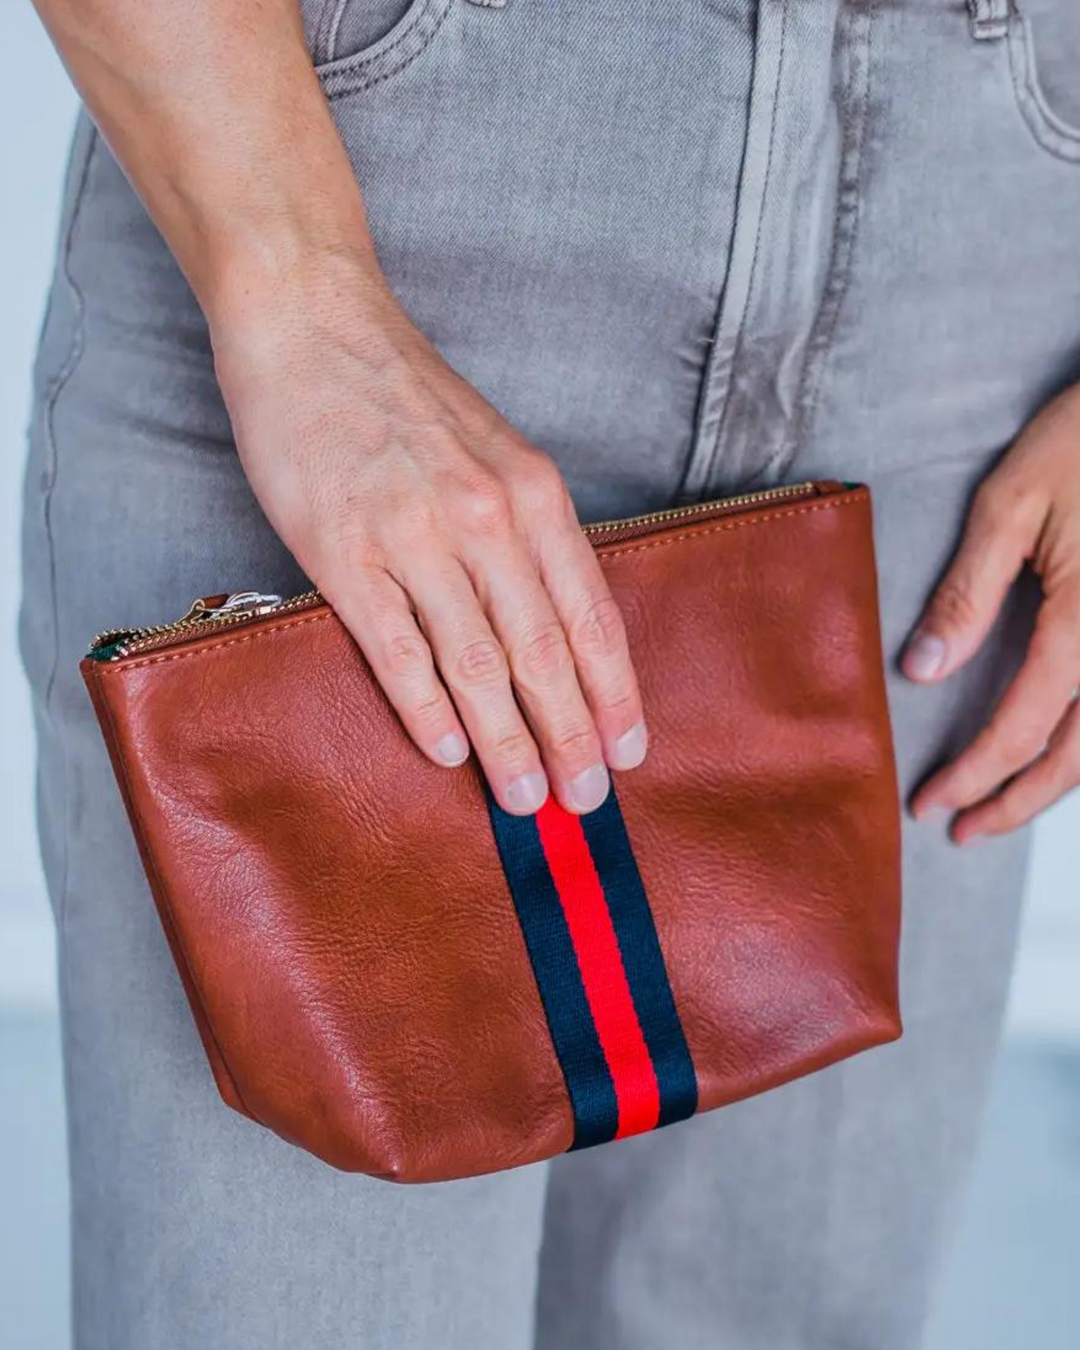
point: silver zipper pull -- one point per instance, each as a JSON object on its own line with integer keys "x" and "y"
{"x": 242, "y": 602}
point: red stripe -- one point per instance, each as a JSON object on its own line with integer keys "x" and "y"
{"x": 597, "y": 949}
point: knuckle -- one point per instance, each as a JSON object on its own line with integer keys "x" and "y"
{"x": 429, "y": 710}
{"x": 483, "y": 506}
{"x": 481, "y": 662}
{"x": 1003, "y": 504}
{"x": 351, "y": 549}
{"x": 600, "y": 631}
{"x": 954, "y": 604}
{"x": 513, "y": 748}
{"x": 544, "y": 654}
{"x": 990, "y": 503}
{"x": 406, "y": 655}
{"x": 577, "y": 742}
{"x": 1021, "y": 744}
{"x": 619, "y": 704}
{"x": 540, "y": 485}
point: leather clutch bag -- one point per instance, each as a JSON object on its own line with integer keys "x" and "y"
{"x": 389, "y": 971}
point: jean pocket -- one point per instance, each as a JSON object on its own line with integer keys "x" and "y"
{"x": 360, "y": 43}
{"x": 1044, "y": 61}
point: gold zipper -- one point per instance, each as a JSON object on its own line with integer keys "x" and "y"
{"x": 210, "y": 613}
{"x": 675, "y": 514}
{"x": 216, "y": 612}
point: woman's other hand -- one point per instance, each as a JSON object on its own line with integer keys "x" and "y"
{"x": 1026, "y": 511}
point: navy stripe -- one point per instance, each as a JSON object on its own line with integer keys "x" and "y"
{"x": 551, "y": 951}
{"x": 605, "y": 832}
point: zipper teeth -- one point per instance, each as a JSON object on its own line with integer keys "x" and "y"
{"x": 133, "y": 641}
{"x": 700, "y": 508}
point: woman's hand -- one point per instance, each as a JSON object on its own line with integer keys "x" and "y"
{"x": 1027, "y": 511}
{"x": 446, "y": 542}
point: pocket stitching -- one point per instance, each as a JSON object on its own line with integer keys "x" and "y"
{"x": 1054, "y": 134}
{"x": 365, "y": 70}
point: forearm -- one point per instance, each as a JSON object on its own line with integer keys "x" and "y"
{"x": 216, "y": 115}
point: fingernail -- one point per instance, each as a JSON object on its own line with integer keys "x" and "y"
{"x": 452, "y": 750}
{"x": 589, "y": 788}
{"x": 924, "y": 657}
{"x": 527, "y": 793}
{"x": 629, "y": 750}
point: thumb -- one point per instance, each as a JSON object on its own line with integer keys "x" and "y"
{"x": 997, "y": 538}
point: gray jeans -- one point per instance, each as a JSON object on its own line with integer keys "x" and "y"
{"x": 685, "y": 247}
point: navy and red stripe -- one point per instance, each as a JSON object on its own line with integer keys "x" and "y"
{"x": 599, "y": 968}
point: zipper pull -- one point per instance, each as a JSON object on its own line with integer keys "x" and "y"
{"x": 210, "y": 609}
{"x": 220, "y": 606}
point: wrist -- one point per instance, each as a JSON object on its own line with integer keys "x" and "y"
{"x": 275, "y": 300}
{"x": 255, "y": 274}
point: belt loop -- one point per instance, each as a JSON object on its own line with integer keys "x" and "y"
{"x": 989, "y": 19}
{"x": 489, "y": 4}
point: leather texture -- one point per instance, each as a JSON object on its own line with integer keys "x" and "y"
{"x": 335, "y": 902}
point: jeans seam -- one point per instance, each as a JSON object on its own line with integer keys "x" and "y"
{"x": 49, "y": 405}
{"x": 846, "y": 216}
{"x": 708, "y": 468}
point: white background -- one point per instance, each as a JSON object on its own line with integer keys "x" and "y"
{"x": 36, "y": 111}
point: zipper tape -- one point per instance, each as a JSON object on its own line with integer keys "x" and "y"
{"x": 216, "y": 612}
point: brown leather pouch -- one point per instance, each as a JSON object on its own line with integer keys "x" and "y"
{"x": 387, "y": 970}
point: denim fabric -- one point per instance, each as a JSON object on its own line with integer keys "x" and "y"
{"x": 686, "y": 247}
